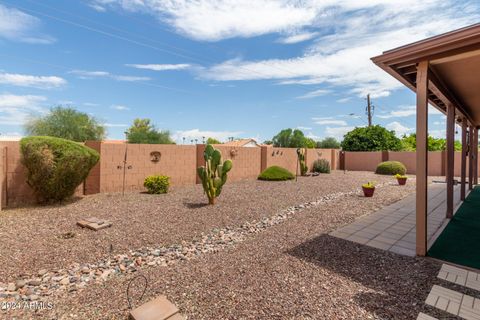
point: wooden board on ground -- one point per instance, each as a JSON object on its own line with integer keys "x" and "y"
{"x": 94, "y": 223}
{"x": 157, "y": 309}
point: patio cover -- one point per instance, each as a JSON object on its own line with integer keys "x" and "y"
{"x": 444, "y": 71}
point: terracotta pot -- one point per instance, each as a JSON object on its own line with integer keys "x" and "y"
{"x": 402, "y": 181}
{"x": 368, "y": 192}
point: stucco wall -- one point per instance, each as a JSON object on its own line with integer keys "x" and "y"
{"x": 362, "y": 161}
{"x": 246, "y": 161}
{"x": 282, "y": 157}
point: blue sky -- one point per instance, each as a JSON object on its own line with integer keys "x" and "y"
{"x": 216, "y": 68}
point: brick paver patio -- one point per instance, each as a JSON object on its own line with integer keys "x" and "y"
{"x": 393, "y": 228}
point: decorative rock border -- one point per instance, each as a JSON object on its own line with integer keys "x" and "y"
{"x": 78, "y": 276}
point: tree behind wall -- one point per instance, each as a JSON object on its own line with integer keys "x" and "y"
{"x": 142, "y": 131}
{"x": 374, "y": 138}
{"x": 288, "y": 138}
{"x": 66, "y": 123}
{"x": 213, "y": 141}
{"x": 409, "y": 143}
{"x": 328, "y": 143}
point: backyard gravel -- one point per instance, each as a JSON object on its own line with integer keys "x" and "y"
{"x": 293, "y": 270}
{"x": 36, "y": 238}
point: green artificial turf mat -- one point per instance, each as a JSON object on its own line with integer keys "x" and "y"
{"x": 460, "y": 240}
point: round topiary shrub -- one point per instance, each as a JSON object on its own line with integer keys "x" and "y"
{"x": 321, "y": 166}
{"x": 157, "y": 184}
{"x": 391, "y": 168}
{"x": 55, "y": 166}
{"x": 276, "y": 173}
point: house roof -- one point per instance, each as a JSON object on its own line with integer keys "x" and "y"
{"x": 454, "y": 65}
{"x": 239, "y": 142}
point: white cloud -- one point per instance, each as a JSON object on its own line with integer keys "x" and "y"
{"x": 337, "y": 132}
{"x": 199, "y": 134}
{"x": 25, "y": 80}
{"x": 160, "y": 67}
{"x": 329, "y": 121}
{"x": 315, "y": 93}
{"x": 406, "y": 111}
{"x": 344, "y": 100}
{"x": 15, "y": 109}
{"x": 213, "y": 20}
{"x": 300, "y": 37}
{"x": 342, "y": 58}
{"x": 90, "y": 104}
{"x": 115, "y": 125}
{"x": 119, "y": 107}
{"x": 16, "y": 25}
{"x": 304, "y": 128}
{"x": 399, "y": 129}
{"x": 85, "y": 74}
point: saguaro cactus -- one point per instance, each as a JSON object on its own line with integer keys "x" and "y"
{"x": 301, "y": 161}
{"x": 214, "y": 173}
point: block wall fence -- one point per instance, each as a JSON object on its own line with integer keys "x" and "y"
{"x": 179, "y": 162}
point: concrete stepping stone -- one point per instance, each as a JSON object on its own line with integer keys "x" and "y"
{"x": 453, "y": 302}
{"x": 157, "y": 309}
{"x": 460, "y": 276}
{"x": 423, "y": 316}
{"x": 94, "y": 223}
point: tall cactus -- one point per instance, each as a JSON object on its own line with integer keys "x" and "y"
{"x": 214, "y": 173}
{"x": 301, "y": 161}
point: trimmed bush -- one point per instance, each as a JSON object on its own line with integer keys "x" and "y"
{"x": 321, "y": 166}
{"x": 391, "y": 168}
{"x": 157, "y": 184}
{"x": 275, "y": 173}
{"x": 56, "y": 166}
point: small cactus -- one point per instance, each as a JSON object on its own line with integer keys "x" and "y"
{"x": 214, "y": 173}
{"x": 301, "y": 161}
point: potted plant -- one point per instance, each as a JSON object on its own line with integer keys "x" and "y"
{"x": 402, "y": 179}
{"x": 368, "y": 189}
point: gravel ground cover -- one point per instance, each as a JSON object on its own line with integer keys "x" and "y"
{"x": 293, "y": 270}
{"x": 36, "y": 238}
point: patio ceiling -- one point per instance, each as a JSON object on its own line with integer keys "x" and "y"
{"x": 454, "y": 69}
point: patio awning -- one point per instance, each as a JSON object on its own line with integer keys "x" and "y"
{"x": 443, "y": 71}
{"x": 454, "y": 60}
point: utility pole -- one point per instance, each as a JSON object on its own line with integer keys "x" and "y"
{"x": 369, "y": 111}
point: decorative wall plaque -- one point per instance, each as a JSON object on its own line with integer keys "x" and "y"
{"x": 155, "y": 156}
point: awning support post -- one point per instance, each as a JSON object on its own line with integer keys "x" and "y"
{"x": 450, "y": 157}
{"x": 422, "y": 158}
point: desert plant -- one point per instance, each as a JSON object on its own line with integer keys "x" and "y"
{"x": 369, "y": 185}
{"x": 55, "y": 166}
{"x": 157, "y": 184}
{"x": 301, "y": 161}
{"x": 321, "y": 166}
{"x": 402, "y": 179}
{"x": 275, "y": 173}
{"x": 214, "y": 173}
{"x": 391, "y": 168}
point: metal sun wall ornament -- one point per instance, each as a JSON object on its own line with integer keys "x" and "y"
{"x": 155, "y": 156}
{"x": 233, "y": 153}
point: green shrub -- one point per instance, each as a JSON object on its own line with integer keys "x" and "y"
{"x": 157, "y": 184}
{"x": 275, "y": 173}
{"x": 391, "y": 168}
{"x": 321, "y": 166}
{"x": 55, "y": 166}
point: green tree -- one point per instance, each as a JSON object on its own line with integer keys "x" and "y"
{"x": 142, "y": 131}
{"x": 328, "y": 143}
{"x": 409, "y": 143}
{"x": 268, "y": 142}
{"x": 66, "y": 123}
{"x": 373, "y": 138}
{"x": 310, "y": 143}
{"x": 213, "y": 141}
{"x": 288, "y": 138}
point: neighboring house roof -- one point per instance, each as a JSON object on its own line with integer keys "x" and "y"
{"x": 242, "y": 143}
